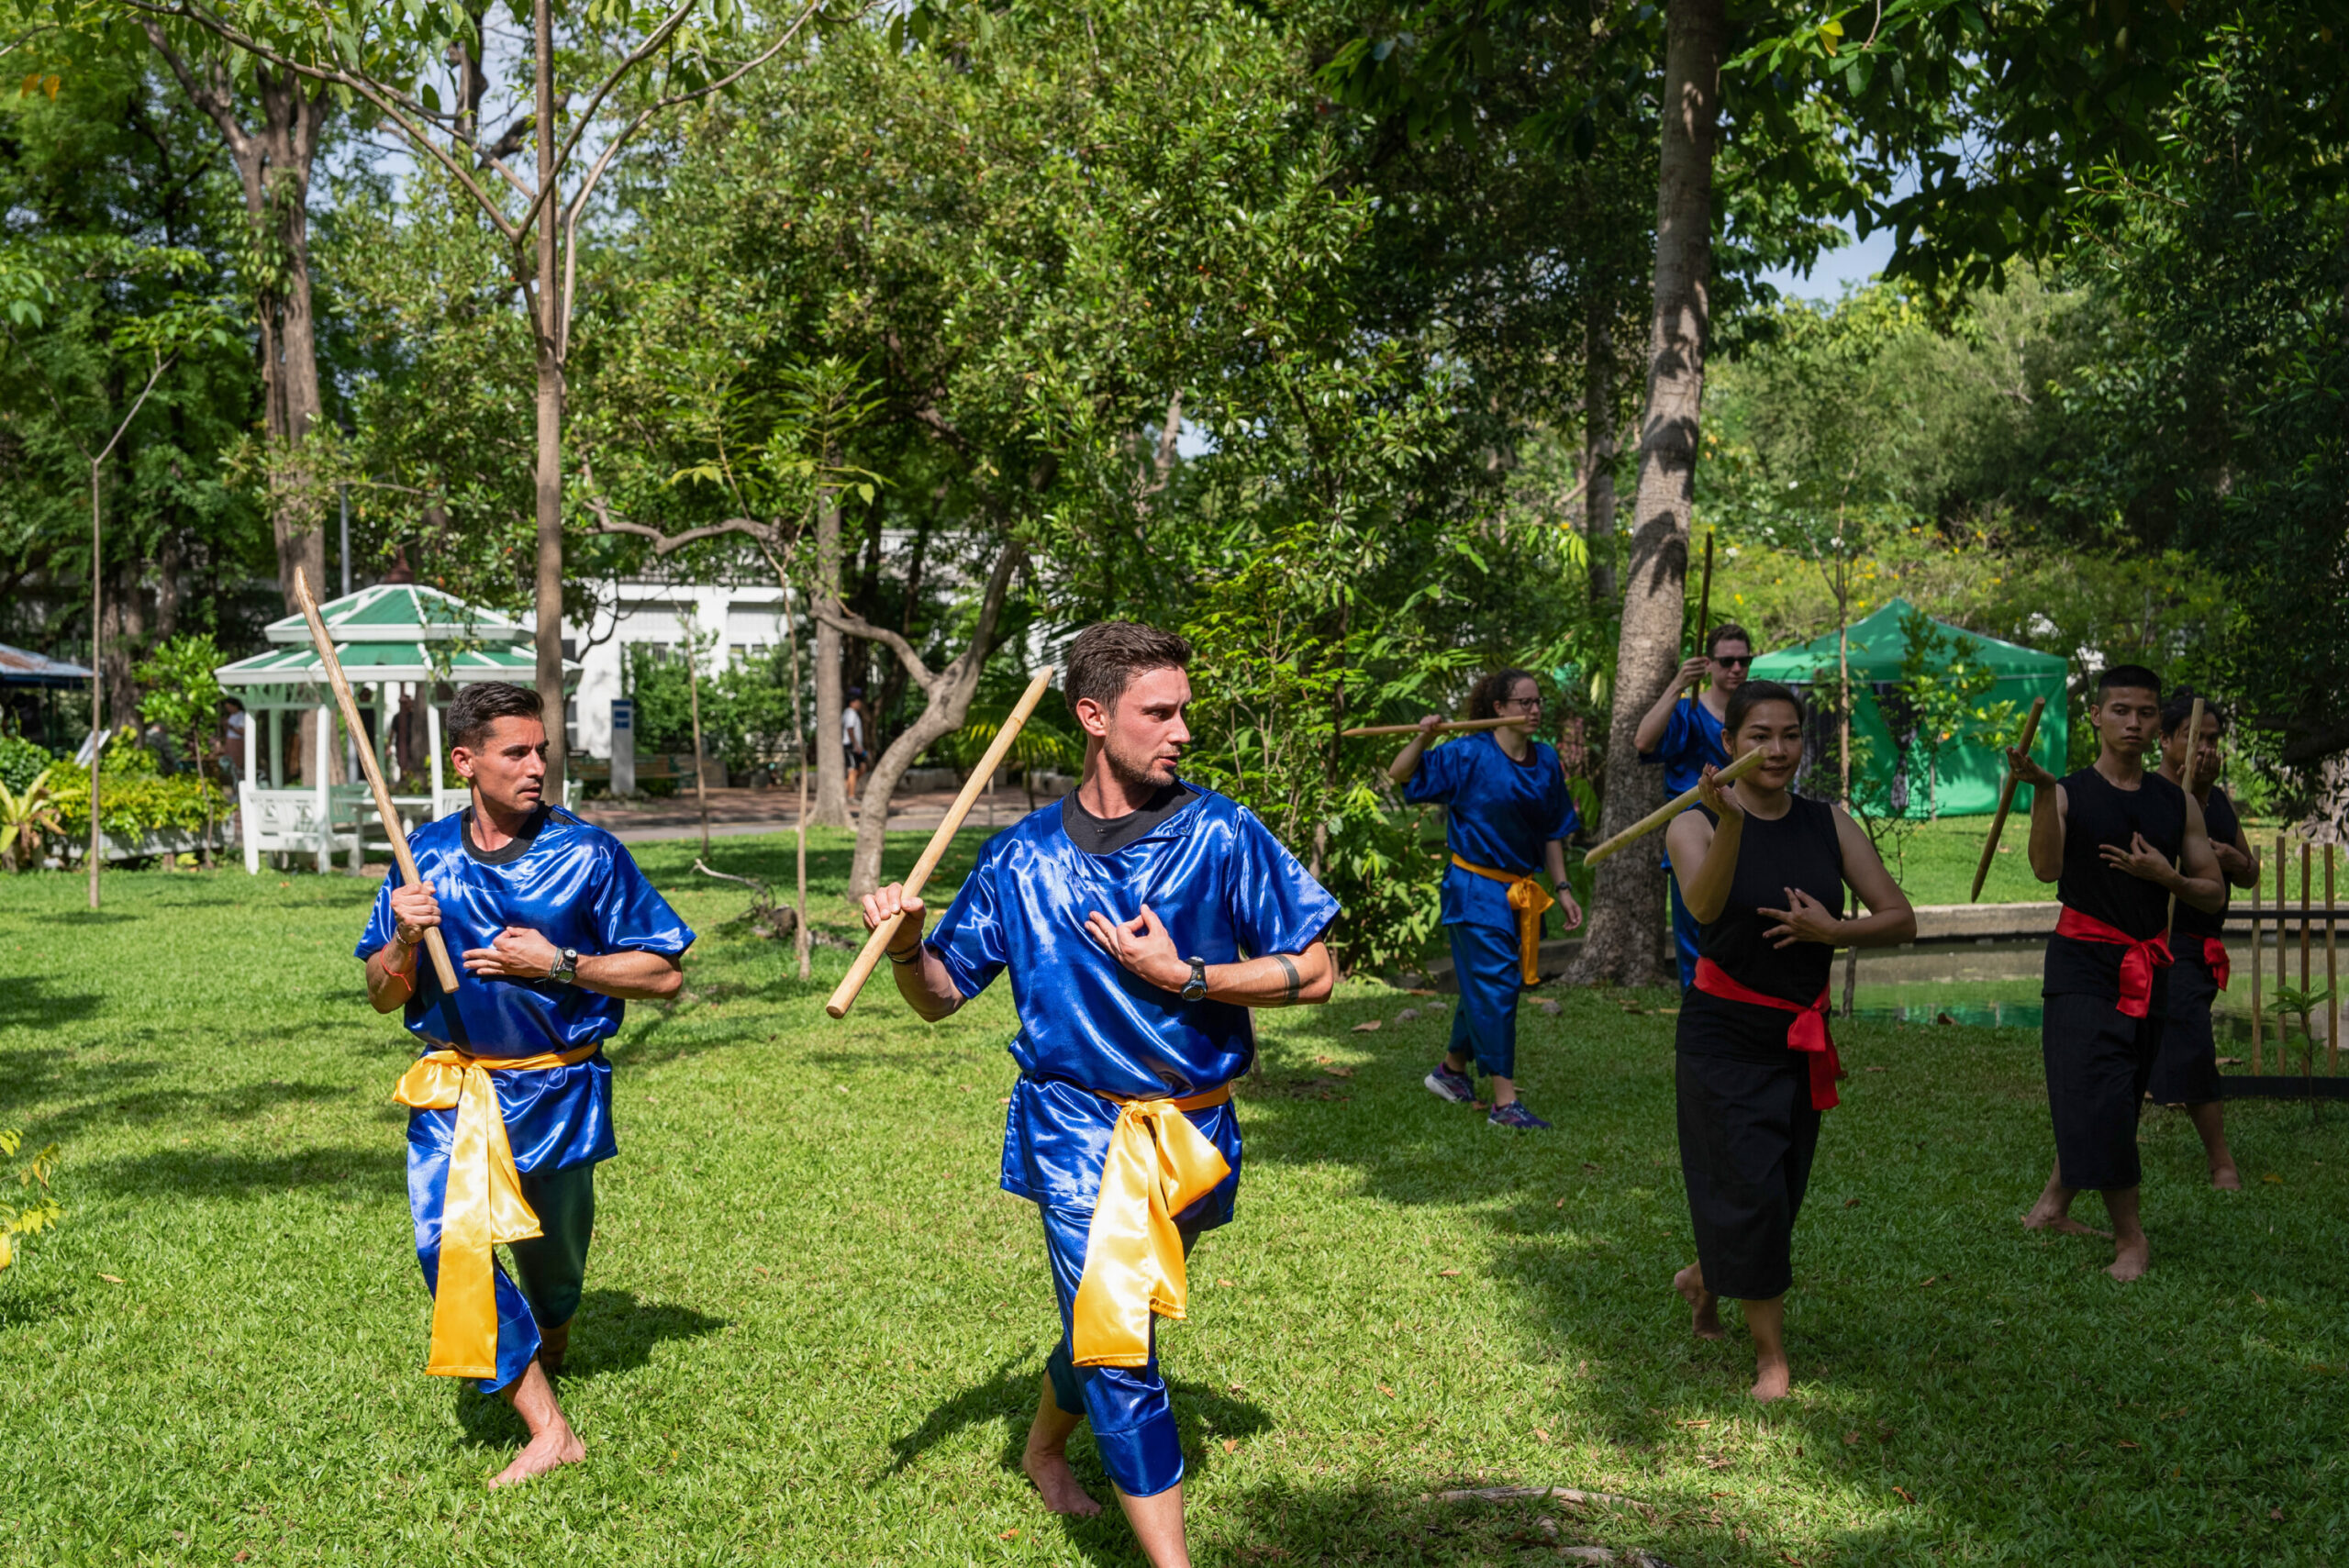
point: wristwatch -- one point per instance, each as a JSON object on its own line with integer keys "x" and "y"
{"x": 565, "y": 971}
{"x": 1196, "y": 986}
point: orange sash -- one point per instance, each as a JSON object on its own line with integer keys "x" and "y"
{"x": 1529, "y": 899}
{"x": 1159, "y": 1164}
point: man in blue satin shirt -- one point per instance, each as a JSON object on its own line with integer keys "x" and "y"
{"x": 1139, "y": 918}
{"x": 512, "y": 1097}
{"x": 1686, "y": 738}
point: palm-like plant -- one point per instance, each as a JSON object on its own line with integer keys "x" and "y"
{"x": 25, "y": 816}
{"x": 39, "y": 1211}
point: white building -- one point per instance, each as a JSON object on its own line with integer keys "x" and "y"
{"x": 746, "y": 621}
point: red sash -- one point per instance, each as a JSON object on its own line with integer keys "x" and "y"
{"x": 2214, "y": 959}
{"x": 1807, "y": 1032}
{"x": 2137, "y": 966}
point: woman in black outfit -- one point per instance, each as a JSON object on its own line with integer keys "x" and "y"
{"x": 1764, "y": 871}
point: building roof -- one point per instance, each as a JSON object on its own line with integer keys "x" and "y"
{"x": 20, "y": 668}
{"x": 404, "y": 612}
{"x": 300, "y": 669}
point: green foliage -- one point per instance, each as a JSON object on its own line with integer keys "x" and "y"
{"x": 21, "y": 761}
{"x": 26, "y": 814}
{"x": 134, "y": 798}
{"x": 182, "y": 696}
{"x": 37, "y": 1210}
{"x": 745, "y": 707}
{"x": 1941, "y": 692}
{"x": 1389, "y": 880}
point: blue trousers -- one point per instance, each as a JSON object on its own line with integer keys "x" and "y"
{"x": 1491, "y": 968}
{"x": 1133, "y": 1424}
{"x": 1683, "y": 930}
{"x": 553, "y": 1265}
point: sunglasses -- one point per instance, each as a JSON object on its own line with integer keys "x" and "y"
{"x": 1740, "y": 659}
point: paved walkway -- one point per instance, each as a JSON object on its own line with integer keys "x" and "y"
{"x": 736, "y": 812}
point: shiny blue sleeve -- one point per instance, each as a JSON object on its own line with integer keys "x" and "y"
{"x": 1438, "y": 780}
{"x": 1276, "y": 904}
{"x": 380, "y": 924}
{"x": 1675, "y": 736}
{"x": 970, "y": 939}
{"x": 1561, "y": 820}
{"x": 632, "y": 918}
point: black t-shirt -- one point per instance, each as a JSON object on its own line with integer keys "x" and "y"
{"x": 2219, "y": 819}
{"x": 2096, "y": 813}
{"x": 1107, "y": 835}
{"x": 1798, "y": 850}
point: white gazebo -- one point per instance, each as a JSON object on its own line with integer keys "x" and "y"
{"x": 406, "y": 641}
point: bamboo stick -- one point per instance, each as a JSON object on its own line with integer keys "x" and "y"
{"x": 2257, "y": 884}
{"x": 442, "y": 970}
{"x": 1705, "y": 604}
{"x": 1670, "y": 809}
{"x": 844, "y": 995}
{"x": 1450, "y": 727}
{"x": 2331, "y": 983}
{"x": 2193, "y": 743}
{"x": 2283, "y": 948}
{"x": 2307, "y": 849}
{"x": 2005, "y": 799}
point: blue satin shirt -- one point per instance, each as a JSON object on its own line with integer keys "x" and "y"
{"x": 1499, "y": 812}
{"x": 1225, "y": 889}
{"x": 1692, "y": 737}
{"x": 577, "y": 886}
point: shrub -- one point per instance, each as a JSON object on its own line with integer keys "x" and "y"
{"x": 21, "y": 762}
{"x": 134, "y": 802}
{"x": 38, "y": 1211}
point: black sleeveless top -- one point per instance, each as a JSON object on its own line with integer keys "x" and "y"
{"x": 2095, "y": 813}
{"x": 1798, "y": 850}
{"x": 2220, "y": 821}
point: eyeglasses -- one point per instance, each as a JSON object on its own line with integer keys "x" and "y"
{"x": 1740, "y": 659}
{"x": 1529, "y": 703}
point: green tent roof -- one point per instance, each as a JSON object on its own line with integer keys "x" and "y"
{"x": 1878, "y": 645}
{"x": 404, "y": 612}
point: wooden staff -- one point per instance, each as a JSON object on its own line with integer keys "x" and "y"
{"x": 2257, "y": 1026}
{"x": 2005, "y": 800}
{"x": 1450, "y": 727}
{"x": 2193, "y": 744}
{"x": 445, "y": 971}
{"x": 1671, "y": 808}
{"x": 844, "y": 994}
{"x": 2331, "y": 983}
{"x": 1705, "y": 603}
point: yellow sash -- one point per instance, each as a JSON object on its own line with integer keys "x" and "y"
{"x": 1159, "y": 1164}
{"x": 1529, "y": 899}
{"x": 484, "y": 1204}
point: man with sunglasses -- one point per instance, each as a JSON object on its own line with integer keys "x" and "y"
{"x": 1686, "y": 738}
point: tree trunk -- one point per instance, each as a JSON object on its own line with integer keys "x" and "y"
{"x": 831, "y": 781}
{"x": 1627, "y": 920}
{"x": 1598, "y": 453}
{"x": 549, "y": 588}
{"x": 950, "y": 693}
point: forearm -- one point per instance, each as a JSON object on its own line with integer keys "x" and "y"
{"x": 926, "y": 983}
{"x": 1704, "y": 890}
{"x": 631, "y": 976}
{"x": 2208, "y": 894}
{"x": 1275, "y": 979}
{"x": 2047, "y": 847}
{"x": 1653, "y": 722}
{"x": 1878, "y": 928}
{"x": 1407, "y": 760}
{"x": 391, "y": 976}
{"x": 1553, "y": 858}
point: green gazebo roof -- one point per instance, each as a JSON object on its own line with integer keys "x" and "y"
{"x": 364, "y": 661}
{"x": 403, "y": 612}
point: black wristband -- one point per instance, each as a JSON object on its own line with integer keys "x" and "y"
{"x": 913, "y": 955}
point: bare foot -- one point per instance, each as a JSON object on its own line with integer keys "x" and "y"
{"x": 556, "y": 1445}
{"x": 1056, "y": 1484}
{"x": 2226, "y": 1178}
{"x": 1704, "y": 1306}
{"x": 2044, "y": 1218}
{"x": 2132, "y": 1258}
{"x": 1773, "y": 1379}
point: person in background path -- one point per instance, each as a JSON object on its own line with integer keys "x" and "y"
{"x": 852, "y": 751}
{"x": 1506, "y": 808}
{"x": 510, "y": 1103}
{"x": 2118, "y": 841}
{"x": 1140, "y": 919}
{"x": 2185, "y": 1073}
{"x": 1764, "y": 871}
{"x": 1686, "y": 738}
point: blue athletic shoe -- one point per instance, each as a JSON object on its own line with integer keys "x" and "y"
{"x": 1515, "y": 1117}
{"x": 1446, "y": 1084}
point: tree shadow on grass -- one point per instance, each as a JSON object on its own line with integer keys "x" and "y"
{"x": 28, "y": 1001}
{"x": 205, "y": 1172}
{"x": 614, "y": 1331}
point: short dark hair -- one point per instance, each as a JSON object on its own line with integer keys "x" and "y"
{"x": 1728, "y": 630}
{"x": 2135, "y": 676}
{"x": 1753, "y": 694}
{"x": 1108, "y": 655}
{"x": 2180, "y": 708}
{"x": 477, "y": 706}
{"x": 1485, "y": 698}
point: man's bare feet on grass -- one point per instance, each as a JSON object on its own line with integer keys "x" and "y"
{"x": 555, "y": 1446}
{"x": 2226, "y": 1178}
{"x": 1056, "y": 1484}
{"x": 2132, "y": 1258}
{"x": 1773, "y": 1379}
{"x": 2046, "y": 1216}
{"x": 1704, "y": 1306}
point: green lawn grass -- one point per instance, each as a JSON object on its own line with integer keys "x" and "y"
{"x": 813, "y": 1327}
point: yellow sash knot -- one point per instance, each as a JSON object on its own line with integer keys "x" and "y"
{"x": 1159, "y": 1165}
{"x": 1529, "y": 898}
{"x": 484, "y": 1204}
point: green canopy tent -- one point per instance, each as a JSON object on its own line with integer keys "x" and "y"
{"x": 1965, "y": 783}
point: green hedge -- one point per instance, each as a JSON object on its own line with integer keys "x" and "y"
{"x": 133, "y": 804}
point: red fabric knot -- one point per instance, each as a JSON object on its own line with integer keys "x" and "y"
{"x": 2214, "y": 956}
{"x": 2137, "y": 966}
{"x": 1806, "y": 1031}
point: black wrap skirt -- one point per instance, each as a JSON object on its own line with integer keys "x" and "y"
{"x": 1747, "y": 1137}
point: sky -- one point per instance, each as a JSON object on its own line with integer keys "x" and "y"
{"x": 1855, "y": 264}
